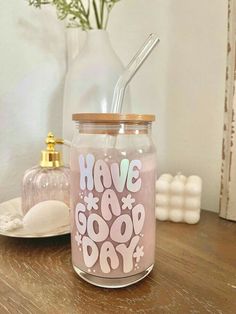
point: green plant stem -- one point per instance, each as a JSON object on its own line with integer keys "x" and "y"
{"x": 83, "y": 8}
{"x": 79, "y": 12}
{"x": 86, "y": 12}
{"x": 96, "y": 14}
{"x": 82, "y": 18}
{"x": 102, "y": 11}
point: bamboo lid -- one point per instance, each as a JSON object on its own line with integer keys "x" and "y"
{"x": 113, "y": 118}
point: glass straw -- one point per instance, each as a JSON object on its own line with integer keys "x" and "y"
{"x": 125, "y": 78}
{"x": 130, "y": 71}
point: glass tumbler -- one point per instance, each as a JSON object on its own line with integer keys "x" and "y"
{"x": 113, "y": 174}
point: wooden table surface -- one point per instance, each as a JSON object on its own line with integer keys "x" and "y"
{"x": 195, "y": 272}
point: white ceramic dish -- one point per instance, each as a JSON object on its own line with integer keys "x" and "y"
{"x": 13, "y": 207}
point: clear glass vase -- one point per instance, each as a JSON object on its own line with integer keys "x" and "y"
{"x": 91, "y": 79}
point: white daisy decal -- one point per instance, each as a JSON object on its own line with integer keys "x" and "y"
{"x": 128, "y": 202}
{"x": 91, "y": 201}
{"x": 138, "y": 253}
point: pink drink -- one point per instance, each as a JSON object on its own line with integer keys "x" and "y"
{"x": 113, "y": 214}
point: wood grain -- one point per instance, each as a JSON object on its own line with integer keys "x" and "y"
{"x": 195, "y": 272}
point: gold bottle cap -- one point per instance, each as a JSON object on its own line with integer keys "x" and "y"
{"x": 51, "y": 158}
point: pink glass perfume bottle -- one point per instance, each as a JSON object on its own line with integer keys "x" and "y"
{"x": 113, "y": 174}
{"x": 47, "y": 181}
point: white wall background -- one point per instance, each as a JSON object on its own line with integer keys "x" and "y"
{"x": 182, "y": 83}
{"x": 32, "y": 66}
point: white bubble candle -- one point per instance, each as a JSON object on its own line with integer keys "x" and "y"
{"x": 178, "y": 198}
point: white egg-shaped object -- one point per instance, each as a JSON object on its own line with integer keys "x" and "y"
{"x": 46, "y": 216}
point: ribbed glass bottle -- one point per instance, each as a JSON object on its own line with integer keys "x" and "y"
{"x": 43, "y": 184}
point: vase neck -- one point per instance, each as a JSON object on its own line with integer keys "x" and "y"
{"x": 97, "y": 39}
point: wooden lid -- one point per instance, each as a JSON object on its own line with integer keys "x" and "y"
{"x": 113, "y": 118}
